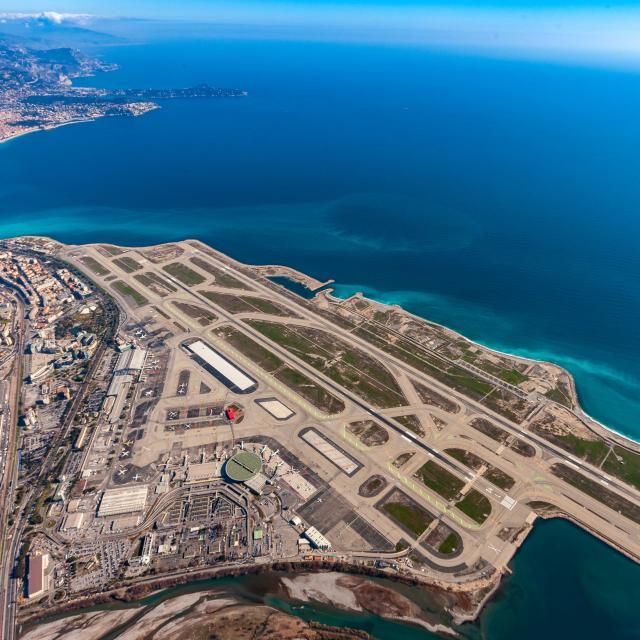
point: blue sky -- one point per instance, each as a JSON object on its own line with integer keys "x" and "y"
{"x": 199, "y": 9}
{"x": 575, "y": 29}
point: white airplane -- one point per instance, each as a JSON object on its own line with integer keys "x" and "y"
{"x": 125, "y": 453}
{"x": 137, "y": 477}
{"x": 263, "y": 449}
{"x": 148, "y": 392}
{"x": 242, "y": 444}
{"x": 187, "y": 426}
{"x": 122, "y": 471}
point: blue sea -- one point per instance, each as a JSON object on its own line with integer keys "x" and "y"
{"x": 497, "y": 197}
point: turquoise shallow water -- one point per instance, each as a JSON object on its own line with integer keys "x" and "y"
{"x": 499, "y": 198}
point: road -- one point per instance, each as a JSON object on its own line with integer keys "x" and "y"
{"x": 301, "y": 308}
{"x": 532, "y": 476}
{"x": 464, "y": 473}
{"x": 10, "y": 541}
{"x": 557, "y": 452}
{"x": 10, "y": 545}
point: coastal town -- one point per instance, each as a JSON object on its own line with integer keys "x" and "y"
{"x": 37, "y": 91}
{"x": 169, "y": 413}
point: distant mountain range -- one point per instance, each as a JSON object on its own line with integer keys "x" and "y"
{"x": 53, "y": 30}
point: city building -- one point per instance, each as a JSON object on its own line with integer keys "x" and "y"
{"x": 222, "y": 368}
{"x": 38, "y": 576}
{"x": 124, "y": 500}
{"x": 317, "y": 539}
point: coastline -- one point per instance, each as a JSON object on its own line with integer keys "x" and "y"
{"x": 136, "y": 592}
{"x": 51, "y": 127}
{"x": 44, "y": 129}
{"x": 580, "y": 413}
{"x": 487, "y": 590}
{"x": 305, "y": 280}
{"x": 302, "y": 278}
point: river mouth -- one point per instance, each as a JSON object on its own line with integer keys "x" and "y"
{"x": 176, "y": 605}
{"x": 561, "y": 573}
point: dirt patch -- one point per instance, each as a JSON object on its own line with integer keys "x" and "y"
{"x": 155, "y": 283}
{"x": 372, "y": 486}
{"x": 85, "y": 626}
{"x": 439, "y": 423}
{"x": 163, "y": 252}
{"x": 403, "y": 458}
{"x": 503, "y": 437}
{"x": 369, "y": 432}
{"x": 412, "y": 422}
{"x": 429, "y": 396}
{"x": 443, "y": 541}
{"x": 204, "y": 317}
{"x": 360, "y": 594}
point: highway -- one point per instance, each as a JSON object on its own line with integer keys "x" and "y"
{"x": 10, "y": 539}
{"x": 10, "y": 545}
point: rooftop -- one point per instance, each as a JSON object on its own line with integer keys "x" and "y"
{"x": 243, "y": 466}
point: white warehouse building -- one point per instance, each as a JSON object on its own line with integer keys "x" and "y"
{"x": 124, "y": 500}
{"x": 220, "y": 366}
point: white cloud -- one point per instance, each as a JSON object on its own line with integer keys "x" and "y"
{"x": 51, "y": 17}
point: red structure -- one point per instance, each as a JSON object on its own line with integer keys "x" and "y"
{"x": 230, "y": 413}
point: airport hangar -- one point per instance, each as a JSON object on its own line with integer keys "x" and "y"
{"x": 221, "y": 368}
